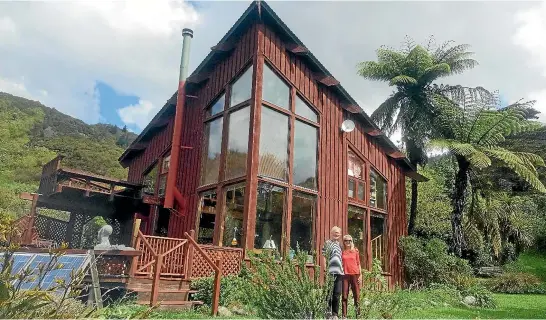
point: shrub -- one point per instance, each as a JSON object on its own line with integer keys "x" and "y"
{"x": 427, "y": 262}
{"x": 56, "y": 302}
{"x": 285, "y": 290}
{"x": 483, "y": 296}
{"x": 516, "y": 282}
{"x": 233, "y": 290}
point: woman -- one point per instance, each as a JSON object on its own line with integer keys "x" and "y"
{"x": 353, "y": 274}
{"x": 332, "y": 259}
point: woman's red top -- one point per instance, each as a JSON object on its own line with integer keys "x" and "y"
{"x": 351, "y": 261}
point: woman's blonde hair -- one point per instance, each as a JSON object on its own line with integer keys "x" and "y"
{"x": 348, "y": 237}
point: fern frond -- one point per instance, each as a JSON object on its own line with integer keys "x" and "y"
{"x": 402, "y": 80}
{"x": 515, "y": 163}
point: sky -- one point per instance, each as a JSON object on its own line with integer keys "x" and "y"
{"x": 117, "y": 62}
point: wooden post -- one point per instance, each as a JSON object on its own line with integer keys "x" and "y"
{"x": 27, "y": 236}
{"x": 186, "y": 257}
{"x": 136, "y": 227}
{"x": 216, "y": 289}
{"x": 97, "y": 295}
{"x": 157, "y": 276}
{"x": 191, "y": 251}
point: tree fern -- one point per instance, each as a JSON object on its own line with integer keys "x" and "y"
{"x": 473, "y": 134}
{"x": 417, "y": 102}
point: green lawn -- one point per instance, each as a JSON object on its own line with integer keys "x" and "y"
{"x": 509, "y": 307}
{"x": 532, "y": 263}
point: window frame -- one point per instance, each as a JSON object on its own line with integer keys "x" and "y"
{"x": 289, "y": 185}
{"x": 367, "y": 206}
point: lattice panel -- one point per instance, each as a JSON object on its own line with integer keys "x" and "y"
{"x": 115, "y": 238}
{"x": 51, "y": 229}
{"x": 231, "y": 261}
{"x": 79, "y": 221}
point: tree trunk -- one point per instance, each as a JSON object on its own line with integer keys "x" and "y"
{"x": 413, "y": 207}
{"x": 458, "y": 200}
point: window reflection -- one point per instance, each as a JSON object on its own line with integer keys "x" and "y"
{"x": 217, "y": 106}
{"x": 274, "y": 90}
{"x": 273, "y": 145}
{"x": 269, "y": 214}
{"x": 207, "y": 214}
{"x": 242, "y": 88}
{"x": 305, "y": 156}
{"x": 378, "y": 226}
{"x": 239, "y": 122}
{"x": 211, "y": 152}
{"x": 356, "y": 225}
{"x": 233, "y": 218}
{"x": 301, "y": 226}
{"x": 149, "y": 181}
{"x": 304, "y": 110}
{"x": 378, "y": 191}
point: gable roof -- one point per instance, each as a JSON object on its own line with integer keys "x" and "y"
{"x": 260, "y": 10}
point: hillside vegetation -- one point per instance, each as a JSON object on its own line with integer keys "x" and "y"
{"x": 32, "y": 134}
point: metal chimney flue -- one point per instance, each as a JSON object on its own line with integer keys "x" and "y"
{"x": 172, "y": 194}
{"x": 187, "y": 35}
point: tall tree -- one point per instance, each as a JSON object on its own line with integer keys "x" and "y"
{"x": 474, "y": 135}
{"x": 413, "y": 106}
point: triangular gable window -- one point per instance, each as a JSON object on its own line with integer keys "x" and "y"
{"x": 217, "y": 106}
{"x": 274, "y": 90}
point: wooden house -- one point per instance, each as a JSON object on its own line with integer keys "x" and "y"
{"x": 250, "y": 153}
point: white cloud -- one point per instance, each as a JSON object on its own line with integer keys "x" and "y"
{"x": 138, "y": 114}
{"x": 530, "y": 35}
{"x": 63, "y": 48}
{"x": 14, "y": 87}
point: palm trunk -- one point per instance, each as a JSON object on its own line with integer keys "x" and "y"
{"x": 458, "y": 200}
{"x": 413, "y": 207}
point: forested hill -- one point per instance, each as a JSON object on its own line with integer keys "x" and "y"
{"x": 32, "y": 134}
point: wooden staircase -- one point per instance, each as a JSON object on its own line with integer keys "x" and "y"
{"x": 161, "y": 275}
{"x": 172, "y": 293}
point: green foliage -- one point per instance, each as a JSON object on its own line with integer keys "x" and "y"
{"x": 233, "y": 290}
{"x": 280, "y": 291}
{"x": 433, "y": 202}
{"x": 483, "y": 296}
{"x": 16, "y": 303}
{"x": 32, "y": 134}
{"x": 428, "y": 261}
{"x": 516, "y": 282}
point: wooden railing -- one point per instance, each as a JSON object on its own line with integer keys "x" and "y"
{"x": 171, "y": 249}
{"x": 216, "y": 266}
{"x": 171, "y": 258}
{"x": 378, "y": 249}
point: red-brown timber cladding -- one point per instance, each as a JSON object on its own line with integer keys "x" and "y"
{"x": 332, "y": 204}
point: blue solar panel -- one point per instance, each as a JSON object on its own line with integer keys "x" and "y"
{"x": 65, "y": 266}
{"x": 18, "y": 261}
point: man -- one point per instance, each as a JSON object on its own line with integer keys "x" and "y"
{"x": 332, "y": 259}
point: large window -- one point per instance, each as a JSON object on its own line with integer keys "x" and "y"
{"x": 304, "y": 110}
{"x": 270, "y": 210}
{"x": 357, "y": 229}
{"x": 304, "y": 208}
{"x": 206, "y": 217}
{"x": 233, "y": 216}
{"x": 275, "y": 90}
{"x": 149, "y": 181}
{"x": 274, "y": 145}
{"x": 237, "y": 150}
{"x": 378, "y": 191}
{"x": 232, "y": 156}
{"x": 356, "y": 173}
{"x": 165, "y": 164}
{"x": 378, "y": 226}
{"x": 211, "y": 151}
{"x": 305, "y": 155}
{"x": 242, "y": 88}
